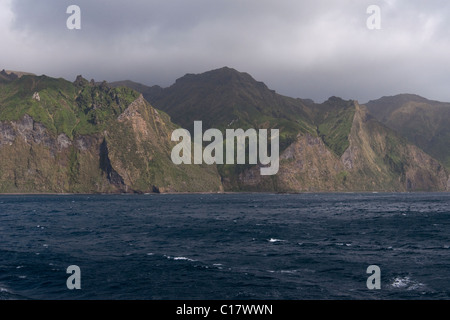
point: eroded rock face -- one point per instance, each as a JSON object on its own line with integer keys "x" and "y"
{"x": 26, "y": 129}
{"x": 63, "y": 141}
{"x": 36, "y": 96}
{"x": 424, "y": 172}
{"x": 376, "y": 160}
{"x": 139, "y": 149}
{"x": 306, "y": 165}
{"x": 347, "y": 158}
{"x": 7, "y": 134}
{"x": 85, "y": 143}
{"x": 36, "y": 160}
{"x": 131, "y": 155}
{"x": 132, "y": 110}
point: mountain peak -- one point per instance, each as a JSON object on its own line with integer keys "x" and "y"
{"x": 13, "y": 75}
{"x": 80, "y": 81}
{"x": 220, "y": 77}
{"x": 4, "y": 75}
{"x": 399, "y": 99}
{"x": 335, "y": 100}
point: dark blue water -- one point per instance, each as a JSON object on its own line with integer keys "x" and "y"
{"x": 225, "y": 246}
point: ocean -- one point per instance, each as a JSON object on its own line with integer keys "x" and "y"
{"x": 241, "y": 246}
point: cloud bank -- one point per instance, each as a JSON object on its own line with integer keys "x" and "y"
{"x": 307, "y": 49}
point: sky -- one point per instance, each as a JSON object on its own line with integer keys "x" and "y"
{"x": 303, "y": 49}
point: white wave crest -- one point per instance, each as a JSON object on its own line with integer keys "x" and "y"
{"x": 406, "y": 283}
{"x": 179, "y": 258}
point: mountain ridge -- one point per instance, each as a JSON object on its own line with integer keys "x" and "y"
{"x": 102, "y": 137}
{"x": 422, "y": 121}
{"x": 330, "y": 122}
{"x": 62, "y": 137}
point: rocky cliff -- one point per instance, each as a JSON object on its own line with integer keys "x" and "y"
{"x": 122, "y": 152}
{"x": 423, "y": 122}
{"x": 377, "y": 159}
{"x": 83, "y": 137}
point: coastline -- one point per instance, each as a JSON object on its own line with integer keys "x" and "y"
{"x": 220, "y": 193}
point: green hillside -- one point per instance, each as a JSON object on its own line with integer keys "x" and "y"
{"x": 322, "y": 136}
{"x": 423, "y": 122}
{"x": 59, "y": 136}
{"x": 225, "y": 98}
{"x": 333, "y": 119}
{"x": 63, "y": 106}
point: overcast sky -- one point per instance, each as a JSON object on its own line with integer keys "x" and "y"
{"x": 307, "y": 49}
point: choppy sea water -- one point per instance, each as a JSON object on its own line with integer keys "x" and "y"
{"x": 225, "y": 246}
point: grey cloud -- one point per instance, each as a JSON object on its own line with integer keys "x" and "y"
{"x": 311, "y": 49}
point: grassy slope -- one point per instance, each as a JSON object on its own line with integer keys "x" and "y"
{"x": 85, "y": 111}
{"x": 221, "y": 99}
{"x": 225, "y": 98}
{"x": 334, "y": 120}
{"x": 387, "y": 161}
{"x": 421, "y": 121}
{"x": 63, "y": 106}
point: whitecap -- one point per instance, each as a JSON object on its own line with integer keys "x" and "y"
{"x": 406, "y": 283}
{"x": 179, "y": 258}
{"x": 182, "y": 258}
{"x": 275, "y": 240}
{"x": 288, "y": 271}
{"x": 400, "y": 282}
{"x": 283, "y": 271}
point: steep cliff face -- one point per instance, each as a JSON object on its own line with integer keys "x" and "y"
{"x": 140, "y": 147}
{"x": 380, "y": 159}
{"x": 35, "y": 160}
{"x": 333, "y": 146}
{"x": 58, "y": 136}
{"x": 377, "y": 159}
{"x": 423, "y": 122}
{"x": 307, "y": 165}
{"x": 103, "y": 150}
